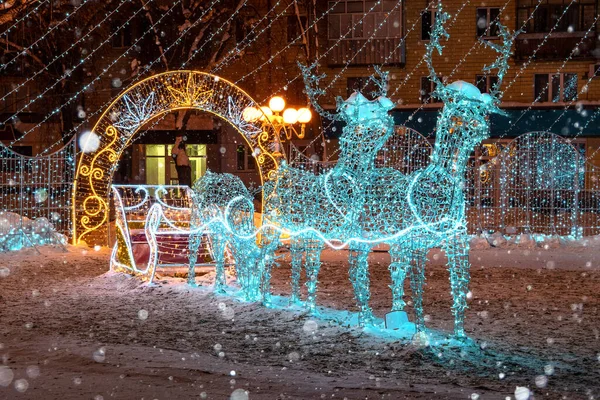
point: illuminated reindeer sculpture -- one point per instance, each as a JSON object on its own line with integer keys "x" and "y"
{"x": 364, "y": 205}
{"x": 223, "y": 209}
{"x": 433, "y": 202}
{"x": 331, "y": 206}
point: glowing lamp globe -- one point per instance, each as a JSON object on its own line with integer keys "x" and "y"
{"x": 277, "y": 104}
{"x": 266, "y": 113}
{"x": 251, "y": 114}
{"x": 290, "y": 116}
{"x": 304, "y": 115}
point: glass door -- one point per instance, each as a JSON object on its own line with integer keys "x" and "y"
{"x": 160, "y": 166}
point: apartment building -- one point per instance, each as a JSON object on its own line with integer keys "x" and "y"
{"x": 554, "y": 79}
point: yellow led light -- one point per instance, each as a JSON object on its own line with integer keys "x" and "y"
{"x": 145, "y": 101}
{"x": 290, "y": 116}
{"x": 304, "y": 115}
{"x": 277, "y": 103}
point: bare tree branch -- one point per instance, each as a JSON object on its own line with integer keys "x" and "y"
{"x": 156, "y": 35}
{"x": 22, "y": 49}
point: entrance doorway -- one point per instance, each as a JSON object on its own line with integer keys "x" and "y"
{"x": 160, "y": 166}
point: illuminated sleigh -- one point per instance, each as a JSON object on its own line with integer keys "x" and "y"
{"x": 152, "y": 225}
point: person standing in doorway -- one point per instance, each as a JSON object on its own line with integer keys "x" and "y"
{"x": 182, "y": 161}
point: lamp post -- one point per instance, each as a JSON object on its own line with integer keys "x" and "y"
{"x": 283, "y": 120}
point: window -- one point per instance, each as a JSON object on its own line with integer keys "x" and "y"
{"x": 487, "y": 21}
{"x": 361, "y": 84}
{"x": 122, "y": 37}
{"x": 155, "y": 164}
{"x": 578, "y": 16}
{"x": 427, "y": 20}
{"x": 244, "y": 29}
{"x": 485, "y": 83}
{"x": 364, "y": 19}
{"x": 18, "y": 100}
{"x": 160, "y": 166}
{"x": 427, "y": 88}
{"x": 555, "y": 87}
{"x": 293, "y": 27}
{"x": 245, "y": 159}
{"x": 594, "y": 71}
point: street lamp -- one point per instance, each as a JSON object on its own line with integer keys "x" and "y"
{"x": 280, "y": 118}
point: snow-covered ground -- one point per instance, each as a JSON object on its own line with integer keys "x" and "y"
{"x": 71, "y": 330}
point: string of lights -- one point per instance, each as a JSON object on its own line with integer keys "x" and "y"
{"x": 476, "y": 44}
{"x": 402, "y": 40}
{"x": 90, "y": 84}
{"x": 236, "y": 50}
{"x": 77, "y": 42}
{"x": 147, "y": 68}
{"x": 31, "y": 12}
{"x": 67, "y": 74}
{"x": 292, "y": 42}
{"x": 558, "y": 70}
{"x": 418, "y": 64}
{"x": 226, "y": 23}
{"x": 533, "y": 54}
{"x": 348, "y": 62}
{"x": 156, "y": 60}
{"x": 27, "y": 50}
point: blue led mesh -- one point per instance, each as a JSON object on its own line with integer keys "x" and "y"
{"x": 360, "y": 204}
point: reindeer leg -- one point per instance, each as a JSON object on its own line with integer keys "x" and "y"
{"x": 417, "y": 280}
{"x": 359, "y": 276}
{"x": 247, "y": 259}
{"x": 269, "y": 242}
{"x": 297, "y": 250}
{"x": 399, "y": 266}
{"x": 194, "y": 241}
{"x": 313, "y": 265}
{"x": 218, "y": 244}
{"x": 457, "y": 250}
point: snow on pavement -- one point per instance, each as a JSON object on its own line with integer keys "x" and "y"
{"x": 70, "y": 329}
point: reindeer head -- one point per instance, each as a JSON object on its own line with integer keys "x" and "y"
{"x": 466, "y": 110}
{"x": 368, "y": 123}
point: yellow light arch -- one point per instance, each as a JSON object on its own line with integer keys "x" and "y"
{"x": 144, "y": 101}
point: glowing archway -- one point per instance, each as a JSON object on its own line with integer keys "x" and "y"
{"x": 144, "y": 101}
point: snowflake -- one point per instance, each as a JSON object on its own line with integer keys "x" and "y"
{"x": 136, "y": 111}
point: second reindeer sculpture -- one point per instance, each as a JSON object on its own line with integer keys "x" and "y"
{"x": 363, "y": 205}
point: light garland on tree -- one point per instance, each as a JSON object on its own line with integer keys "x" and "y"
{"x": 27, "y": 50}
{"x": 33, "y": 11}
{"x": 90, "y": 84}
{"x": 45, "y": 68}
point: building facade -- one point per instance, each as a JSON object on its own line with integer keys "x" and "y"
{"x": 553, "y": 83}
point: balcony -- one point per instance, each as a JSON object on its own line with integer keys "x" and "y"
{"x": 558, "y": 46}
{"x": 357, "y": 52}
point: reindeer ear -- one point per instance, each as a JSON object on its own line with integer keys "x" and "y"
{"x": 385, "y": 103}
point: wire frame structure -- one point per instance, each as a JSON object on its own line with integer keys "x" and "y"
{"x": 538, "y": 183}
{"x": 152, "y": 224}
{"x": 406, "y": 151}
{"x": 141, "y": 103}
{"x": 35, "y": 197}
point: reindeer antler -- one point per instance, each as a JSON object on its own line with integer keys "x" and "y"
{"x": 381, "y": 83}
{"x": 437, "y": 32}
{"x": 313, "y": 91}
{"x": 501, "y": 63}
